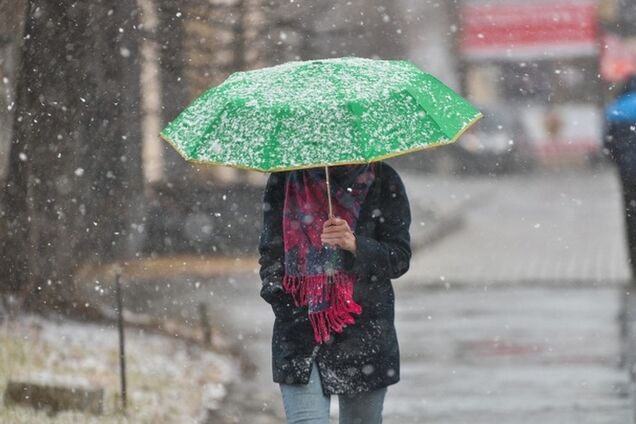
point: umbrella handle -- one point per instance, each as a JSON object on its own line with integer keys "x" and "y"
{"x": 329, "y": 192}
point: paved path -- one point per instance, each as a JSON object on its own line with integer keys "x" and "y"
{"x": 546, "y": 227}
{"x": 509, "y": 355}
{"x": 510, "y": 319}
{"x": 520, "y": 319}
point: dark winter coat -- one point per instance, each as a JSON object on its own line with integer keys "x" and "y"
{"x": 365, "y": 356}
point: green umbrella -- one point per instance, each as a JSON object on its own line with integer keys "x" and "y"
{"x": 319, "y": 113}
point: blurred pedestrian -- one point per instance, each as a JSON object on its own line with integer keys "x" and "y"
{"x": 620, "y": 144}
{"x": 328, "y": 280}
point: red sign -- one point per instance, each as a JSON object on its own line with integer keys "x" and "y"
{"x": 529, "y": 31}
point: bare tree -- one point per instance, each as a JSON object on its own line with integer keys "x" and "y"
{"x": 73, "y": 191}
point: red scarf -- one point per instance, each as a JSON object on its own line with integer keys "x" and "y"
{"x": 315, "y": 274}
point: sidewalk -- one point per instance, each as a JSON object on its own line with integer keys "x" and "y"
{"x": 521, "y": 354}
{"x": 490, "y": 342}
{"x": 510, "y": 316}
{"x": 515, "y": 318}
{"x": 546, "y": 227}
{"x": 545, "y": 354}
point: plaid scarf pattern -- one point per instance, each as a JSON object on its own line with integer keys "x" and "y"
{"x": 315, "y": 274}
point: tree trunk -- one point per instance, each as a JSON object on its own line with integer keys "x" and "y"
{"x": 12, "y": 24}
{"x": 74, "y": 188}
{"x": 174, "y": 89}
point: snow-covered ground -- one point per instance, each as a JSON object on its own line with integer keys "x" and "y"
{"x": 169, "y": 381}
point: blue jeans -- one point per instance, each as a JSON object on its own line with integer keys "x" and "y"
{"x": 306, "y": 404}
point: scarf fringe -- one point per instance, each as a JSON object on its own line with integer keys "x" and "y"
{"x": 335, "y": 290}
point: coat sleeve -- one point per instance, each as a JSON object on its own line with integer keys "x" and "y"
{"x": 270, "y": 246}
{"x": 610, "y": 142}
{"x": 389, "y": 254}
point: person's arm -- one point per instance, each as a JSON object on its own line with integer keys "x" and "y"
{"x": 389, "y": 254}
{"x": 270, "y": 248}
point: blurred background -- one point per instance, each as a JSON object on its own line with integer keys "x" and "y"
{"x": 517, "y": 307}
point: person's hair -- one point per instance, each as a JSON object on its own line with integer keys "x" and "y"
{"x": 629, "y": 86}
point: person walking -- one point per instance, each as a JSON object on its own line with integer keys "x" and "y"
{"x": 620, "y": 144}
{"x": 328, "y": 281}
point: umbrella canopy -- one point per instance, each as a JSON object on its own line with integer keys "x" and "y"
{"x": 319, "y": 113}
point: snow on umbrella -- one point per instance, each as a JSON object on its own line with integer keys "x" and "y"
{"x": 319, "y": 113}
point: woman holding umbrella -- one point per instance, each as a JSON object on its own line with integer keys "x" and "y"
{"x": 326, "y": 266}
{"x": 328, "y": 279}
